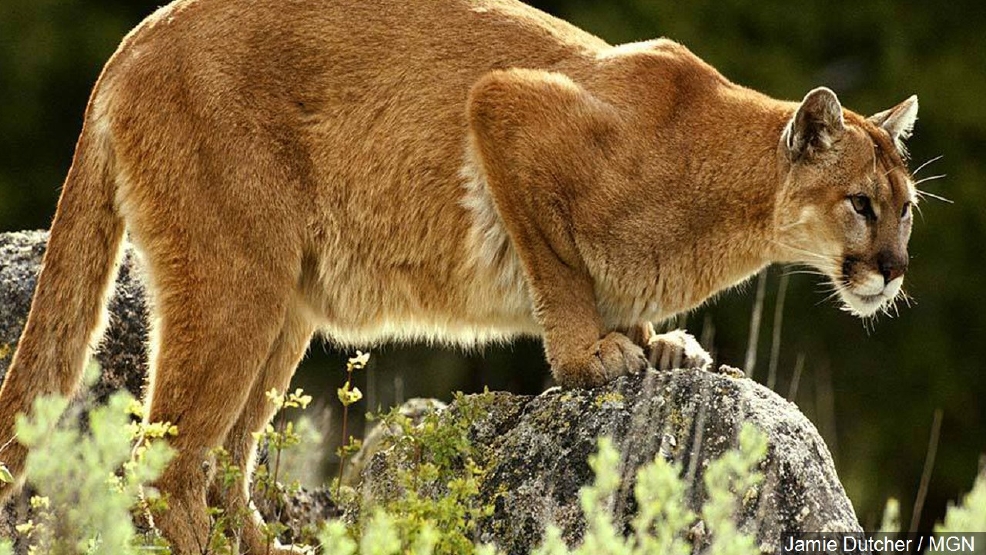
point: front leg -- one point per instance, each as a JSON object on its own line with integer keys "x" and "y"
{"x": 578, "y": 348}
{"x": 537, "y": 137}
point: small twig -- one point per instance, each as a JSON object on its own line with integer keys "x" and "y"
{"x": 371, "y": 401}
{"x": 342, "y": 448}
{"x": 347, "y": 396}
{"x": 751, "y": 345}
{"x": 399, "y": 386}
{"x": 277, "y": 456}
{"x": 697, "y": 439}
{"x": 799, "y": 367}
{"x": 272, "y": 487}
{"x": 7, "y": 443}
{"x": 825, "y": 405}
{"x": 708, "y": 333}
{"x": 929, "y": 464}
{"x": 775, "y": 343}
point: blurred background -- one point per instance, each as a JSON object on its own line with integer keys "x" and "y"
{"x": 872, "y": 391}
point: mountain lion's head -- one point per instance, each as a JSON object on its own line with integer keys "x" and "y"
{"x": 847, "y": 198}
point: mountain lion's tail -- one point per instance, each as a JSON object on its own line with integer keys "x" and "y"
{"x": 67, "y": 312}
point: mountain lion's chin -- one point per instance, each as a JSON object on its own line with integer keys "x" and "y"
{"x": 863, "y": 305}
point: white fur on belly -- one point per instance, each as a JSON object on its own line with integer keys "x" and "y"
{"x": 490, "y": 255}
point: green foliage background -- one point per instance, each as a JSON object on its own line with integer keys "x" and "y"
{"x": 871, "y": 393}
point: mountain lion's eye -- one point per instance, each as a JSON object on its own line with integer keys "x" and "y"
{"x": 906, "y": 211}
{"x": 861, "y": 204}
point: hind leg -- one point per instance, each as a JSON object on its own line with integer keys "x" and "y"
{"x": 287, "y": 351}
{"x": 217, "y": 322}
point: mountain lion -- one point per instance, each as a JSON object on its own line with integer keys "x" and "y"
{"x": 453, "y": 170}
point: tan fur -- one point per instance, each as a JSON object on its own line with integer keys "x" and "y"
{"x": 452, "y": 171}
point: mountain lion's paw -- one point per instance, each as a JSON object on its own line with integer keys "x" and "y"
{"x": 609, "y": 358}
{"x": 677, "y": 349}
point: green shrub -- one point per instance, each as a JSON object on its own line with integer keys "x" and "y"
{"x": 88, "y": 482}
{"x": 970, "y": 515}
{"x": 432, "y": 524}
{"x": 440, "y": 490}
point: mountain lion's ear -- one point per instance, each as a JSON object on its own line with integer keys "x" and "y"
{"x": 898, "y": 121}
{"x": 815, "y": 126}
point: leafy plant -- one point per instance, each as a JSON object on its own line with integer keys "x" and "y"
{"x": 349, "y": 395}
{"x": 440, "y": 487}
{"x": 970, "y": 514}
{"x": 425, "y": 525}
{"x": 89, "y": 482}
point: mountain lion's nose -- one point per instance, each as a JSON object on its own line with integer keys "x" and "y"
{"x": 891, "y": 266}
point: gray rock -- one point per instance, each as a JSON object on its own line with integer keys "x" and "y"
{"x": 688, "y": 416}
{"x": 122, "y": 354}
{"x": 538, "y": 448}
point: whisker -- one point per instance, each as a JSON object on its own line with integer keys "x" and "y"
{"x": 922, "y": 166}
{"x": 885, "y": 309}
{"x": 818, "y": 256}
{"x": 920, "y": 212}
{"x": 827, "y": 282}
{"x": 929, "y": 178}
{"x": 923, "y": 194}
{"x": 804, "y": 272}
{"x": 792, "y": 224}
{"x": 799, "y": 267}
{"x": 906, "y": 298}
{"x": 834, "y": 294}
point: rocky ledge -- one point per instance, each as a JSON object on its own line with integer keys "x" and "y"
{"x": 538, "y": 449}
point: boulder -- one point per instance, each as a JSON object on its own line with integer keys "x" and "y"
{"x": 538, "y": 449}
{"x": 122, "y": 354}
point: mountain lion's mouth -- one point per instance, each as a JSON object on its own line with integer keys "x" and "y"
{"x": 862, "y": 305}
{"x": 867, "y": 298}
